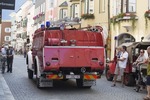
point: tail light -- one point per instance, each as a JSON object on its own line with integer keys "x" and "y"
{"x": 48, "y": 63}
{"x": 101, "y": 63}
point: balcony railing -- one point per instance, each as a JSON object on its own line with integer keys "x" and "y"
{"x": 125, "y": 17}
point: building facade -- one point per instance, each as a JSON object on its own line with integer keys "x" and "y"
{"x": 13, "y": 29}
{"x": 129, "y": 21}
{"x": 30, "y": 24}
{"x": 39, "y": 13}
{"x": 51, "y": 11}
{"x": 19, "y": 21}
{"x": 5, "y": 32}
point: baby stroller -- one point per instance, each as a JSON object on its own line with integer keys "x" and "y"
{"x": 141, "y": 73}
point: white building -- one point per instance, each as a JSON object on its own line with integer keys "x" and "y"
{"x": 13, "y": 29}
{"x": 30, "y": 24}
{"x": 20, "y": 20}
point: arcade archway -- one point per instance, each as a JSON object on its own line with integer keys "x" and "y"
{"x": 125, "y": 37}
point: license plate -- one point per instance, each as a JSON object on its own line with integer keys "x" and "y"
{"x": 73, "y": 76}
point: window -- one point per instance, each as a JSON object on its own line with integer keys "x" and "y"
{"x": 33, "y": 1}
{"x": 89, "y": 7}
{"x": 51, "y": 3}
{"x": 101, "y": 6}
{"x": 75, "y": 10}
{"x": 7, "y": 30}
{"x": 63, "y": 13}
{"x": 42, "y": 7}
{"x": 124, "y": 6}
{"x": 132, "y": 6}
{"x": 118, "y": 7}
{"x": 7, "y": 38}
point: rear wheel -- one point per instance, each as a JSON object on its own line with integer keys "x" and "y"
{"x": 129, "y": 80}
{"x": 30, "y": 74}
{"x": 109, "y": 76}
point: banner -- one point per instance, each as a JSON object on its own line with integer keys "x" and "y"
{"x": 7, "y": 4}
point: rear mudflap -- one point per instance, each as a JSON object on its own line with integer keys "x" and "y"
{"x": 89, "y": 82}
{"x": 43, "y": 82}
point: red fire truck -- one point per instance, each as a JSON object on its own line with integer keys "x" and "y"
{"x": 60, "y": 54}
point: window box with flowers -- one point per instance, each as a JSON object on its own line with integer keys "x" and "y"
{"x": 125, "y": 17}
{"x": 87, "y": 16}
{"x": 147, "y": 17}
{"x": 38, "y": 15}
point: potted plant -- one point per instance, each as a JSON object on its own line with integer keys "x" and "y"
{"x": 87, "y": 16}
{"x": 124, "y": 16}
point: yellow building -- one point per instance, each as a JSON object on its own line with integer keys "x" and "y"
{"x": 77, "y": 8}
{"x": 129, "y": 21}
{"x": 69, "y": 8}
{"x": 99, "y": 9}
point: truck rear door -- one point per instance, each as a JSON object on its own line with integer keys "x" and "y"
{"x": 67, "y": 57}
{"x": 82, "y": 58}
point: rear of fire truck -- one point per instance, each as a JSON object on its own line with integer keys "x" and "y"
{"x": 66, "y": 54}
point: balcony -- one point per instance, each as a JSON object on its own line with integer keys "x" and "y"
{"x": 125, "y": 17}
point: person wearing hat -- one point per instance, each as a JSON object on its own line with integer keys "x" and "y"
{"x": 10, "y": 54}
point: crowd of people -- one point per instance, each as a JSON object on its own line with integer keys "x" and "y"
{"x": 121, "y": 63}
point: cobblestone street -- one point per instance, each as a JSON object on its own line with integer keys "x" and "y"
{"x": 24, "y": 89}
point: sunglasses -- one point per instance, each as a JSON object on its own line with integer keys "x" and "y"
{"x": 141, "y": 52}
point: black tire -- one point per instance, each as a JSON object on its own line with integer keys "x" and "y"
{"x": 109, "y": 76}
{"x": 80, "y": 84}
{"x": 30, "y": 74}
{"x": 129, "y": 80}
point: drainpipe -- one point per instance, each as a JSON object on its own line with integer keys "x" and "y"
{"x": 109, "y": 33}
{"x": 127, "y": 6}
{"x": 121, "y": 6}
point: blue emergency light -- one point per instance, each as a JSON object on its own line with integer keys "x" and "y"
{"x": 48, "y": 24}
{"x": 42, "y": 26}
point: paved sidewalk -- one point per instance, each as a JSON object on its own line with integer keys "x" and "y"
{"x": 5, "y": 93}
